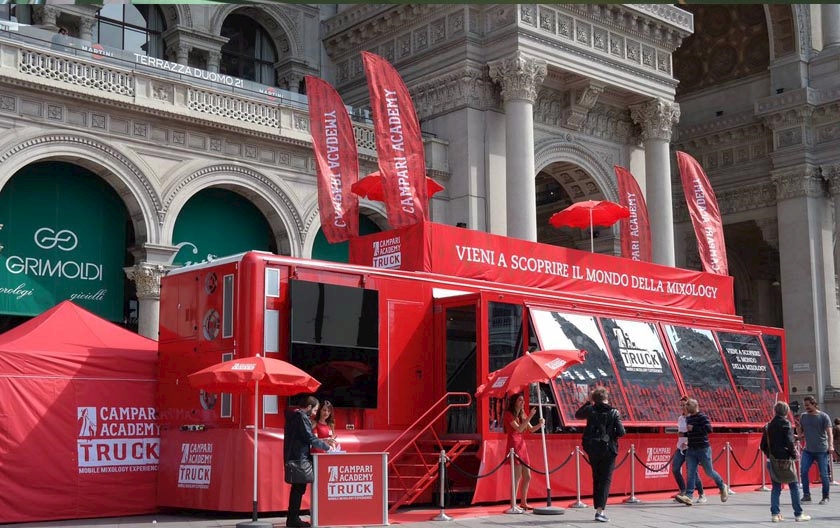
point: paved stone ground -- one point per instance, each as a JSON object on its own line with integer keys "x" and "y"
{"x": 746, "y": 507}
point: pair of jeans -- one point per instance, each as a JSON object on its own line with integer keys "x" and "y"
{"x": 822, "y": 461}
{"x": 700, "y": 457}
{"x": 776, "y": 493}
{"x": 602, "y": 472}
{"x": 676, "y": 470}
{"x": 296, "y": 493}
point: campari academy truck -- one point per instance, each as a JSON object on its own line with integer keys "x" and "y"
{"x": 403, "y": 336}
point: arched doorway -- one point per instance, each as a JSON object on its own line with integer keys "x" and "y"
{"x": 64, "y": 233}
{"x": 559, "y": 185}
{"x": 215, "y": 223}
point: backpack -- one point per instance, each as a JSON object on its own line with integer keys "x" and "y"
{"x": 597, "y": 440}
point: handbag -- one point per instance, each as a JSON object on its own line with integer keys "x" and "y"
{"x": 299, "y": 471}
{"x": 781, "y": 469}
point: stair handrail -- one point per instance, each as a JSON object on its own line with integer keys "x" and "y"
{"x": 424, "y": 416}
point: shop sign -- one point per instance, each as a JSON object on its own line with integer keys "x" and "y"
{"x": 61, "y": 240}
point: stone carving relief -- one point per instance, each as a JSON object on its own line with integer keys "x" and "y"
{"x": 519, "y": 76}
{"x": 657, "y": 118}
{"x": 147, "y": 277}
{"x": 799, "y": 182}
{"x": 463, "y": 87}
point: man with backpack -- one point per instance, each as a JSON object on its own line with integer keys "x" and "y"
{"x": 600, "y": 441}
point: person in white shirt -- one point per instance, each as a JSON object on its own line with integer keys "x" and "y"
{"x": 679, "y": 455}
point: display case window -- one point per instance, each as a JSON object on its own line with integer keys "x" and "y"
{"x": 644, "y": 368}
{"x": 753, "y": 374}
{"x": 703, "y": 372}
{"x": 569, "y": 332}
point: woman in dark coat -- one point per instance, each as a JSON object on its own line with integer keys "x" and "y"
{"x": 778, "y": 441}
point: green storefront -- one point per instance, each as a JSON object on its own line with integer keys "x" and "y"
{"x": 63, "y": 236}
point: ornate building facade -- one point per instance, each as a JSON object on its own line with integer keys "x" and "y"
{"x": 194, "y": 119}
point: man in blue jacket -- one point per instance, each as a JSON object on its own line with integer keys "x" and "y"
{"x": 297, "y": 441}
{"x": 699, "y": 452}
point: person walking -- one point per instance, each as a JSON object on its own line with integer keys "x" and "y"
{"x": 699, "y": 452}
{"x": 819, "y": 444}
{"x": 778, "y": 442}
{"x": 835, "y": 431}
{"x": 516, "y": 424}
{"x": 298, "y": 440}
{"x": 679, "y": 456}
{"x": 600, "y": 441}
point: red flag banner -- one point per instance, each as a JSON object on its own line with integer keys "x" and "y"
{"x": 336, "y": 159}
{"x": 399, "y": 144}
{"x": 705, "y": 215}
{"x": 635, "y": 230}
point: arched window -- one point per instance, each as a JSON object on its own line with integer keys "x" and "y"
{"x": 249, "y": 52}
{"x": 133, "y": 28}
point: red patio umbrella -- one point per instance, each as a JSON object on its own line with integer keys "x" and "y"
{"x": 533, "y": 367}
{"x": 247, "y": 376}
{"x": 589, "y": 213}
{"x": 370, "y": 187}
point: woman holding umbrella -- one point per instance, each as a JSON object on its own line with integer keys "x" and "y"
{"x": 516, "y": 423}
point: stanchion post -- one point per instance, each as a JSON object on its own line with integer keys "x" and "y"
{"x": 728, "y": 468}
{"x": 632, "y": 498}
{"x": 763, "y": 486}
{"x": 577, "y": 504}
{"x": 513, "y": 508}
{"x": 442, "y": 474}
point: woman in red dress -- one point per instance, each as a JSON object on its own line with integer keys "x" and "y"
{"x": 324, "y": 424}
{"x": 516, "y": 424}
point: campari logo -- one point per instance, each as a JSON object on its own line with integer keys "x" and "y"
{"x": 387, "y": 254}
{"x": 117, "y": 439}
{"x": 350, "y": 482}
{"x": 196, "y": 465}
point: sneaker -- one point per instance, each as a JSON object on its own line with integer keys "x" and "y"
{"x": 701, "y": 499}
{"x": 802, "y": 518}
{"x": 724, "y": 494}
{"x": 684, "y": 499}
{"x": 805, "y": 498}
{"x": 777, "y": 518}
{"x": 297, "y": 523}
{"x": 600, "y": 517}
{"x": 824, "y": 501}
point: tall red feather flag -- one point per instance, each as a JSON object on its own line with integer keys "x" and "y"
{"x": 705, "y": 215}
{"x": 635, "y": 230}
{"x": 337, "y": 161}
{"x": 399, "y": 145}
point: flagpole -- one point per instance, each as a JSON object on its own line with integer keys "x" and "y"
{"x": 548, "y": 509}
{"x": 591, "y": 237}
{"x": 256, "y": 439}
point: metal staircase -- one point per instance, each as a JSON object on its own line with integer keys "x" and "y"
{"x": 414, "y": 456}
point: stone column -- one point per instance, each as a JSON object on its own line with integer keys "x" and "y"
{"x": 830, "y": 25}
{"x": 46, "y": 17}
{"x": 214, "y": 59}
{"x": 807, "y": 281}
{"x": 146, "y": 277}
{"x": 832, "y": 174}
{"x": 519, "y": 77}
{"x": 657, "y": 119}
{"x": 182, "y": 54}
{"x": 86, "y": 28}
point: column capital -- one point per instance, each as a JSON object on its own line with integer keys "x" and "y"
{"x": 146, "y": 277}
{"x": 657, "y": 118}
{"x": 769, "y": 231}
{"x": 519, "y": 76}
{"x": 798, "y": 182}
{"x": 831, "y": 173}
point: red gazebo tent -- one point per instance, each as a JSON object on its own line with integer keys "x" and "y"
{"x": 78, "y": 428}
